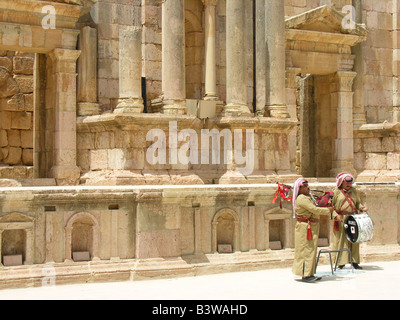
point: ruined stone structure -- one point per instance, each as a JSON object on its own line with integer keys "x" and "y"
{"x": 145, "y": 138}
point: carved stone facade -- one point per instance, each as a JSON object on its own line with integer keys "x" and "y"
{"x": 112, "y": 165}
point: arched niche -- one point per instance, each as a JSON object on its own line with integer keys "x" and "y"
{"x": 82, "y": 233}
{"x": 225, "y": 229}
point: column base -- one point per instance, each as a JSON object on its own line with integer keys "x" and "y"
{"x": 66, "y": 175}
{"x": 277, "y": 111}
{"x": 88, "y": 109}
{"x": 358, "y": 120}
{"x": 176, "y": 107}
{"x": 130, "y": 105}
{"x": 260, "y": 113}
{"x": 235, "y": 110}
{"x": 345, "y": 167}
{"x": 396, "y": 114}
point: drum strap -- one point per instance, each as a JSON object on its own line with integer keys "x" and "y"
{"x": 350, "y": 201}
{"x": 343, "y": 212}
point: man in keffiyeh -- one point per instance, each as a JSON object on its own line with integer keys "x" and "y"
{"x": 306, "y": 231}
{"x": 346, "y": 201}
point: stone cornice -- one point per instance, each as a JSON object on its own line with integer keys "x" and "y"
{"x": 30, "y": 12}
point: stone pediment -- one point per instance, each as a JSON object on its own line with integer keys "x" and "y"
{"x": 15, "y": 217}
{"x": 324, "y": 24}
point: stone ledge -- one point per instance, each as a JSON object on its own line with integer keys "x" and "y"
{"x": 147, "y": 269}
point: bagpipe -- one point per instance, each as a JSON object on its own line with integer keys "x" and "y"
{"x": 322, "y": 200}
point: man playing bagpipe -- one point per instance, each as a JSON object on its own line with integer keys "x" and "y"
{"x": 307, "y": 230}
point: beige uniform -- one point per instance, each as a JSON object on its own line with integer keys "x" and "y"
{"x": 339, "y": 237}
{"x": 306, "y": 250}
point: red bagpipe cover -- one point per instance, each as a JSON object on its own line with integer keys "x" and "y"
{"x": 325, "y": 199}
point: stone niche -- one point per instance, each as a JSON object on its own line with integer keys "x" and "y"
{"x": 277, "y": 226}
{"x": 16, "y": 239}
{"x": 225, "y": 231}
{"x": 82, "y": 237}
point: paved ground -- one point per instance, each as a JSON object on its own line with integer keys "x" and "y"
{"x": 378, "y": 280}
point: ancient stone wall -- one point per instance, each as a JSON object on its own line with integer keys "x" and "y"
{"x": 109, "y": 17}
{"x": 16, "y": 105}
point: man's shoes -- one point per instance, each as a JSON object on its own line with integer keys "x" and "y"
{"x": 310, "y": 279}
{"x": 341, "y": 267}
{"x": 357, "y": 266}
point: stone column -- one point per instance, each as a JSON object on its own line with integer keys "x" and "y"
{"x": 197, "y": 231}
{"x": 396, "y": 114}
{"x": 266, "y": 233}
{"x": 68, "y": 244}
{"x": 30, "y": 247}
{"x": 276, "y": 58}
{"x": 1, "y": 242}
{"x": 210, "y": 44}
{"x": 130, "y": 71}
{"x": 87, "y": 73}
{"x": 236, "y": 72}
{"x": 252, "y": 227}
{"x": 359, "y": 114}
{"x": 261, "y": 58}
{"x": 173, "y": 57}
{"x": 64, "y": 169}
{"x": 343, "y": 155}
{"x": 396, "y": 60}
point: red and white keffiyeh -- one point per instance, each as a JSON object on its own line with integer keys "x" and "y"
{"x": 299, "y": 182}
{"x": 342, "y": 177}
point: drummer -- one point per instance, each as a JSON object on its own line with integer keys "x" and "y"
{"x": 346, "y": 201}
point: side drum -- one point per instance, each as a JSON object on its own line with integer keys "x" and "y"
{"x": 359, "y": 228}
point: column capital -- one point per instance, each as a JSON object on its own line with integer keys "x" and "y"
{"x": 65, "y": 55}
{"x": 344, "y": 81}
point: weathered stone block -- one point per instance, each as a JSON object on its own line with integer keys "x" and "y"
{"x": 81, "y": 256}
{"x": 23, "y": 65}
{"x": 373, "y": 145}
{"x": 13, "y": 260}
{"x": 25, "y": 83}
{"x": 21, "y": 120}
{"x": 14, "y": 138}
{"x": 27, "y": 157}
{"x": 98, "y": 159}
{"x": 376, "y": 161}
{"x": 27, "y": 139}
{"x": 388, "y": 144}
{"x": 393, "y": 161}
{"x": 13, "y": 156}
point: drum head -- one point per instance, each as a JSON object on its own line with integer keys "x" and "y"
{"x": 352, "y": 232}
{"x": 360, "y": 228}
